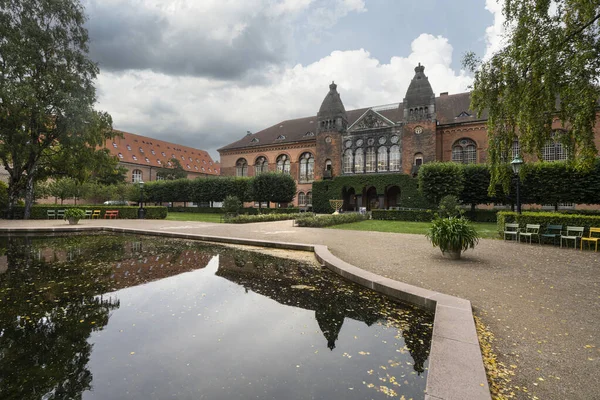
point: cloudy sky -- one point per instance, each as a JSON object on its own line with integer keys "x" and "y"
{"x": 203, "y": 72}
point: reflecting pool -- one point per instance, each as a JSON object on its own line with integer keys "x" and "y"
{"x": 128, "y": 317}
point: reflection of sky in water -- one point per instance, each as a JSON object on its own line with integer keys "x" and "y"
{"x": 197, "y": 335}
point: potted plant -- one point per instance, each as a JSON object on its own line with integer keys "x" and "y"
{"x": 73, "y": 215}
{"x": 452, "y": 235}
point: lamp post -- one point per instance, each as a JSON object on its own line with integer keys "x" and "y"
{"x": 516, "y": 167}
{"x": 141, "y": 210}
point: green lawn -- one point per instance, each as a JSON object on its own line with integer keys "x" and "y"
{"x": 485, "y": 229}
{"x": 183, "y": 216}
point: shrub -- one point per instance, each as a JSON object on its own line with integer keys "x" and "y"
{"x": 311, "y": 220}
{"x": 231, "y": 205}
{"x": 38, "y": 211}
{"x": 76, "y": 213}
{"x": 452, "y": 234}
{"x": 3, "y": 197}
{"x": 403, "y": 215}
{"x": 437, "y": 180}
{"x": 449, "y": 207}
{"x": 245, "y": 219}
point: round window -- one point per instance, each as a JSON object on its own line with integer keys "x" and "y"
{"x": 382, "y": 140}
{"x": 394, "y": 139}
{"x": 419, "y": 130}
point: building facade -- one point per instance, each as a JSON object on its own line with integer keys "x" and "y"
{"x": 394, "y": 138}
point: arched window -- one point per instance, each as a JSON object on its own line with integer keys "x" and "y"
{"x": 307, "y": 167}
{"x": 241, "y": 167}
{"x": 418, "y": 160}
{"x": 283, "y": 164}
{"x": 136, "y": 176}
{"x": 301, "y": 199}
{"x": 395, "y": 158}
{"x": 464, "y": 151}
{"x": 371, "y": 159}
{"x": 554, "y": 150}
{"x": 328, "y": 165}
{"x": 309, "y": 198}
{"x": 359, "y": 161}
{"x": 516, "y": 148}
{"x": 382, "y": 159}
{"x": 348, "y": 161}
{"x": 261, "y": 166}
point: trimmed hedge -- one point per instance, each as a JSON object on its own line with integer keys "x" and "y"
{"x": 199, "y": 210}
{"x": 39, "y": 211}
{"x": 315, "y": 221}
{"x": 404, "y": 215}
{"x": 247, "y": 210}
{"x": 427, "y": 215}
{"x": 246, "y": 219}
{"x": 336, "y": 188}
{"x": 547, "y": 218}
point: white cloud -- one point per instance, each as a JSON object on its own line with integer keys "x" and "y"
{"x": 494, "y": 34}
{"x": 208, "y": 114}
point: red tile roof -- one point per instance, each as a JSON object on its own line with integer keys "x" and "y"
{"x": 143, "y": 150}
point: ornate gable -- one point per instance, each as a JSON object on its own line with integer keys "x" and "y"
{"x": 370, "y": 120}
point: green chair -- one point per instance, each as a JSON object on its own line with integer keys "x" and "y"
{"x": 511, "y": 230}
{"x": 552, "y": 232}
{"x": 51, "y": 214}
{"x": 572, "y": 233}
{"x": 530, "y": 231}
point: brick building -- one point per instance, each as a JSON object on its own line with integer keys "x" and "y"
{"x": 394, "y": 138}
{"x": 143, "y": 156}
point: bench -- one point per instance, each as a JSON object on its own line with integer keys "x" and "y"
{"x": 111, "y": 214}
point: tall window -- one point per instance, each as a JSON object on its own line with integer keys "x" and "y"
{"x": 554, "y": 150}
{"x": 418, "y": 159}
{"x": 136, "y": 176}
{"x": 464, "y": 151}
{"x": 261, "y": 166}
{"x": 241, "y": 167}
{"x": 301, "y": 199}
{"x": 348, "y": 161}
{"x": 371, "y": 159}
{"x": 382, "y": 159}
{"x": 516, "y": 148}
{"x": 307, "y": 167}
{"x": 395, "y": 158}
{"x": 359, "y": 161}
{"x": 309, "y": 198}
{"x": 283, "y": 164}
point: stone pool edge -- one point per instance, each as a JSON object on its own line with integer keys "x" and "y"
{"x": 456, "y": 369}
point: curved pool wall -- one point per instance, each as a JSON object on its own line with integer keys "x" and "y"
{"x": 456, "y": 368}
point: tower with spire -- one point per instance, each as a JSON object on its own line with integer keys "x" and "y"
{"x": 332, "y": 122}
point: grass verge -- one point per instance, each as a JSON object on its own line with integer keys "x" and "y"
{"x": 183, "y": 216}
{"x": 487, "y": 230}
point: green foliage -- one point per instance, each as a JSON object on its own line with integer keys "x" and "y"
{"x": 273, "y": 187}
{"x": 476, "y": 184}
{"x": 547, "y": 218}
{"x": 336, "y": 188}
{"x": 403, "y": 215}
{"x": 231, "y": 205}
{"x": 437, "y": 180}
{"x": 449, "y": 207}
{"x": 320, "y": 221}
{"x": 551, "y": 54}
{"x": 173, "y": 173}
{"x": 48, "y": 126}
{"x": 452, "y": 234}
{"x": 76, "y": 213}
{"x": 245, "y": 219}
{"x": 38, "y": 211}
{"x": 3, "y": 197}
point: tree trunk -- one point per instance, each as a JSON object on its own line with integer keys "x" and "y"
{"x": 13, "y": 198}
{"x": 28, "y": 196}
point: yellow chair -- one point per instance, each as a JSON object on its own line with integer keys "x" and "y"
{"x": 96, "y": 214}
{"x": 591, "y": 238}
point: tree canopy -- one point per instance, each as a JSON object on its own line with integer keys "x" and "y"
{"x": 173, "y": 173}
{"x": 549, "y": 69}
{"x": 48, "y": 124}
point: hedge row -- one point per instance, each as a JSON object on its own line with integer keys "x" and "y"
{"x": 547, "y": 218}
{"x": 314, "y": 221}
{"x": 245, "y": 219}
{"x": 340, "y": 187}
{"x": 247, "y": 210}
{"x": 427, "y": 215}
{"x": 39, "y": 211}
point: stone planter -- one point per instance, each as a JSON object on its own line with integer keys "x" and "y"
{"x": 73, "y": 221}
{"x": 451, "y": 254}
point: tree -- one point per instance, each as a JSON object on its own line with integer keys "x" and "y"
{"x": 273, "y": 187}
{"x": 170, "y": 174}
{"x": 46, "y": 92}
{"x": 437, "y": 180}
{"x": 548, "y": 69}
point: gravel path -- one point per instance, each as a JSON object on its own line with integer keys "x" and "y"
{"x": 542, "y": 303}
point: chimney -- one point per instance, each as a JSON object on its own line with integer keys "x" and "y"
{"x": 443, "y": 94}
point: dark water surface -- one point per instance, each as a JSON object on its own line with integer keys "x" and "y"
{"x": 123, "y": 317}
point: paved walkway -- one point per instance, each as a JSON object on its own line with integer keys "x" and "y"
{"x": 542, "y": 303}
